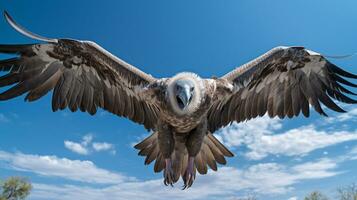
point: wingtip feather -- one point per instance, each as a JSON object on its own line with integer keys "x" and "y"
{"x": 341, "y": 71}
{"x": 24, "y": 31}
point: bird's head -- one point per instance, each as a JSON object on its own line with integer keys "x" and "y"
{"x": 185, "y": 92}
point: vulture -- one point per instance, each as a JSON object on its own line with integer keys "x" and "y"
{"x": 181, "y": 112}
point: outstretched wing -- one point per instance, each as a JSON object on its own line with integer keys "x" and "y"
{"x": 83, "y": 75}
{"x": 282, "y": 82}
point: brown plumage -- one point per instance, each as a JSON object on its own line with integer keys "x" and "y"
{"x": 182, "y": 111}
{"x": 282, "y": 82}
{"x": 212, "y": 152}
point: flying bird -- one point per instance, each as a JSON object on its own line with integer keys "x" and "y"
{"x": 181, "y": 112}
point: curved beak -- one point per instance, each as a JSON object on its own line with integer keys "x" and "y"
{"x": 184, "y": 96}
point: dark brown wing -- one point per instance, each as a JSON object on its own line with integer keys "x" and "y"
{"x": 83, "y": 75}
{"x": 282, "y": 82}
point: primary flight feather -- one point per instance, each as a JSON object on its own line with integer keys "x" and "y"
{"x": 182, "y": 111}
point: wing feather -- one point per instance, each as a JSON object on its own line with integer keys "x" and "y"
{"x": 81, "y": 74}
{"x": 283, "y": 82}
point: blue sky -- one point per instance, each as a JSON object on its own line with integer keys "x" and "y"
{"x": 77, "y": 156}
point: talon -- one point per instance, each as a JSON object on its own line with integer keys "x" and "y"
{"x": 189, "y": 175}
{"x": 168, "y": 173}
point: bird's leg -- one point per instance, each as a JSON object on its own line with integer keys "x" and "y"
{"x": 166, "y": 145}
{"x": 193, "y": 145}
{"x": 190, "y": 174}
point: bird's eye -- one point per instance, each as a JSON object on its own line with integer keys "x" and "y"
{"x": 191, "y": 89}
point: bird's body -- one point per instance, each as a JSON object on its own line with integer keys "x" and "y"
{"x": 181, "y": 131}
{"x": 182, "y": 111}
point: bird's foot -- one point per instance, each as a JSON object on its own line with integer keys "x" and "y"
{"x": 168, "y": 173}
{"x": 190, "y": 174}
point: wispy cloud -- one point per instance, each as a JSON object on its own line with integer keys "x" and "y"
{"x": 350, "y": 115}
{"x": 87, "y": 139}
{"x": 86, "y": 146}
{"x": 242, "y": 133}
{"x": 293, "y": 198}
{"x": 222, "y": 184}
{"x": 260, "y": 137}
{"x": 317, "y": 169}
{"x": 226, "y": 183}
{"x": 352, "y": 155}
{"x": 103, "y": 146}
{"x": 76, "y": 147}
{"x": 297, "y": 142}
{"x": 53, "y": 166}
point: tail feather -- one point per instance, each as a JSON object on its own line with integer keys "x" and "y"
{"x": 184, "y": 163}
{"x": 217, "y": 154}
{"x": 159, "y": 164}
{"x": 208, "y": 156}
{"x": 153, "y": 153}
{"x": 177, "y": 164}
{"x": 220, "y": 146}
{"x": 149, "y": 148}
{"x": 201, "y": 163}
{"x": 212, "y": 152}
{"x": 152, "y": 139}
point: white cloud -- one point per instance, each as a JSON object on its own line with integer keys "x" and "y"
{"x": 293, "y": 198}
{"x": 87, "y": 139}
{"x": 76, "y": 147}
{"x": 227, "y": 182}
{"x": 316, "y": 169}
{"x": 86, "y": 146}
{"x": 295, "y": 142}
{"x": 352, "y": 155}
{"x": 223, "y": 184}
{"x": 258, "y": 136}
{"x": 242, "y": 133}
{"x": 350, "y": 115}
{"x": 102, "y": 146}
{"x": 52, "y": 166}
